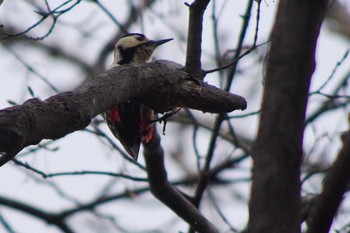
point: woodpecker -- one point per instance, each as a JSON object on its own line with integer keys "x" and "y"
{"x": 131, "y": 122}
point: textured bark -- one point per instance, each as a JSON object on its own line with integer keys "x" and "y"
{"x": 275, "y": 197}
{"x": 160, "y": 85}
{"x": 194, "y": 40}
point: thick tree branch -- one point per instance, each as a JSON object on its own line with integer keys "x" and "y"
{"x": 161, "y": 85}
{"x": 275, "y": 197}
{"x": 166, "y": 193}
{"x": 335, "y": 185}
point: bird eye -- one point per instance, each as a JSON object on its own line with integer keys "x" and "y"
{"x": 139, "y": 38}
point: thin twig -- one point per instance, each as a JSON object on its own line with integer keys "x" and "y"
{"x": 32, "y": 70}
{"x": 44, "y": 17}
{"x": 49, "y": 175}
{"x": 109, "y": 14}
{"x": 234, "y": 61}
{"x": 219, "y": 211}
{"x": 337, "y": 65}
{"x": 6, "y": 224}
{"x": 245, "y": 115}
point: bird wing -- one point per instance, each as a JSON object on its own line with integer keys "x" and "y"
{"x": 124, "y": 122}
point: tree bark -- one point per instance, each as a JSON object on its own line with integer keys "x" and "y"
{"x": 194, "y": 34}
{"x": 335, "y": 184}
{"x": 275, "y": 197}
{"x": 166, "y": 193}
{"x": 161, "y": 85}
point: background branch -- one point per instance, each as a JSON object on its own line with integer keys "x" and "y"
{"x": 204, "y": 181}
{"x": 166, "y": 193}
{"x": 335, "y": 184}
{"x": 51, "y": 218}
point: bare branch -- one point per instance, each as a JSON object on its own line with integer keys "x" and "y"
{"x": 165, "y": 192}
{"x": 335, "y": 185}
{"x": 239, "y": 47}
{"x": 111, "y": 16}
{"x": 3, "y": 221}
{"x": 331, "y": 76}
{"x": 55, "y": 219}
{"x": 331, "y": 103}
{"x": 238, "y": 54}
{"x": 32, "y": 70}
{"x": 78, "y": 173}
{"x": 161, "y": 85}
{"x": 55, "y": 13}
{"x": 204, "y": 181}
{"x": 194, "y": 36}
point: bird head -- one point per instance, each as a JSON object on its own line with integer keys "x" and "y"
{"x": 135, "y": 48}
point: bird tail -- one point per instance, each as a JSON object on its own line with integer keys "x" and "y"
{"x": 124, "y": 123}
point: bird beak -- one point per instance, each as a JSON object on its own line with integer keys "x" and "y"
{"x": 156, "y": 43}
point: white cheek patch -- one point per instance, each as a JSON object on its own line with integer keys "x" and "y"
{"x": 117, "y": 58}
{"x": 128, "y": 45}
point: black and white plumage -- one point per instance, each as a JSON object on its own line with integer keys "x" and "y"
{"x": 131, "y": 122}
